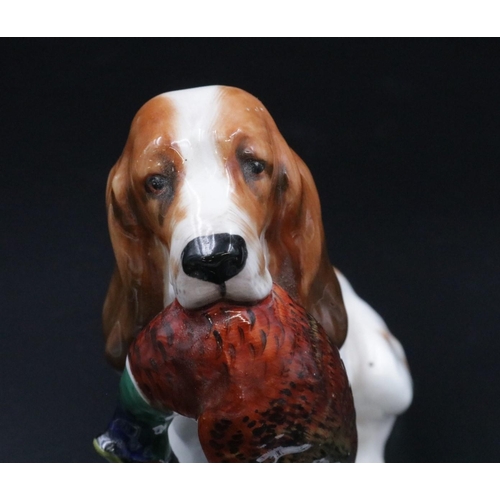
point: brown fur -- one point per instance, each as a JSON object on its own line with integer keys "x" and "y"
{"x": 284, "y": 205}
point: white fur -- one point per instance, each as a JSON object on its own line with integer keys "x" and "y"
{"x": 207, "y": 197}
{"x": 183, "y": 437}
{"x": 378, "y": 373}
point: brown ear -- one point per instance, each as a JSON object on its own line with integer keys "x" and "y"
{"x": 299, "y": 261}
{"x": 136, "y": 290}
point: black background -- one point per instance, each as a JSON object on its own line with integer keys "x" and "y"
{"x": 402, "y": 137}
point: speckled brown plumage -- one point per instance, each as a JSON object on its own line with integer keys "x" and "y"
{"x": 264, "y": 381}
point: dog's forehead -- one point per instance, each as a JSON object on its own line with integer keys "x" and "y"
{"x": 151, "y": 124}
{"x": 241, "y": 111}
{"x": 214, "y": 113}
{"x": 196, "y": 112}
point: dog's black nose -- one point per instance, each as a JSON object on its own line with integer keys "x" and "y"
{"x": 215, "y": 258}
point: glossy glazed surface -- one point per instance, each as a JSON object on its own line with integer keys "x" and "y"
{"x": 264, "y": 381}
{"x": 199, "y": 163}
{"x": 208, "y": 204}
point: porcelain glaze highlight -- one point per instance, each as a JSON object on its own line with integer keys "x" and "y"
{"x": 209, "y": 205}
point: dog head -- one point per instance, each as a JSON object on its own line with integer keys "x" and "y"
{"x": 207, "y": 202}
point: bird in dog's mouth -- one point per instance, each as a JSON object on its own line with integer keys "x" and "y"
{"x": 264, "y": 382}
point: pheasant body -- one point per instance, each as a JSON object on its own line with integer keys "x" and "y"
{"x": 264, "y": 382}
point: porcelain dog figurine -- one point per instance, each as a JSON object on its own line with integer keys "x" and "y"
{"x": 205, "y": 171}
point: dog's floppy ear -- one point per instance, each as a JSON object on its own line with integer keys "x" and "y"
{"x": 136, "y": 290}
{"x": 299, "y": 257}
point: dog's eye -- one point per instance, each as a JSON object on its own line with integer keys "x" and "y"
{"x": 156, "y": 184}
{"x": 253, "y": 167}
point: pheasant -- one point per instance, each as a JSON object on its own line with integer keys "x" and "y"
{"x": 263, "y": 381}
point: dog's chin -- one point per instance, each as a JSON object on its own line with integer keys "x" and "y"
{"x": 193, "y": 294}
